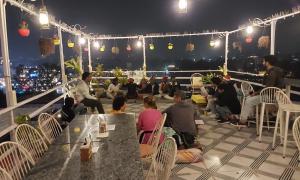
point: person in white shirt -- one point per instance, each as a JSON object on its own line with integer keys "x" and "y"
{"x": 83, "y": 93}
{"x": 113, "y": 89}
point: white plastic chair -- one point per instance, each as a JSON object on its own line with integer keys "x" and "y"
{"x": 4, "y": 175}
{"x": 196, "y": 83}
{"x": 49, "y": 127}
{"x": 267, "y": 98}
{"x": 31, "y": 139}
{"x": 149, "y": 149}
{"x": 164, "y": 161}
{"x": 296, "y": 133}
{"x": 15, "y": 160}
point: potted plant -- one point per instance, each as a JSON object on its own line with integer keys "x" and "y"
{"x": 22, "y": 119}
{"x": 23, "y": 29}
{"x": 46, "y": 46}
{"x": 74, "y": 64}
{"x": 207, "y": 78}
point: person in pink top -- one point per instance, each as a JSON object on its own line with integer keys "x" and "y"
{"x": 148, "y": 118}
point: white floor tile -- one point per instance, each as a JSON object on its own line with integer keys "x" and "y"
{"x": 222, "y": 130}
{"x": 251, "y": 152}
{"x": 206, "y": 141}
{"x": 242, "y": 161}
{"x": 258, "y": 145}
{"x": 279, "y": 159}
{"x": 296, "y": 175}
{"x": 214, "y": 153}
{"x": 271, "y": 168}
{"x": 261, "y": 177}
{"x": 289, "y": 151}
{"x": 231, "y": 171}
{"x": 242, "y": 134}
{"x": 188, "y": 173}
{"x": 225, "y": 146}
{"x": 235, "y": 140}
{"x": 214, "y": 135}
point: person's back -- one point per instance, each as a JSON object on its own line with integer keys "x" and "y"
{"x": 274, "y": 77}
{"x": 67, "y": 112}
{"x": 181, "y": 117}
{"x": 132, "y": 91}
{"x": 229, "y": 98}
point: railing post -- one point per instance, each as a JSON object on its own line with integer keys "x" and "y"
{"x": 61, "y": 56}
{"x": 273, "y": 36}
{"x": 10, "y": 94}
{"x": 144, "y": 56}
{"x": 89, "y": 55}
{"x": 225, "y": 66}
{"x": 80, "y": 54}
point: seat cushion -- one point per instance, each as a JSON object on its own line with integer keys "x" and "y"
{"x": 187, "y": 156}
{"x": 146, "y": 150}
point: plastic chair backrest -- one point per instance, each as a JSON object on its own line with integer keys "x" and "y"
{"x": 49, "y": 127}
{"x": 296, "y": 132}
{"x": 164, "y": 161}
{"x": 246, "y": 88}
{"x": 15, "y": 159}
{"x": 31, "y": 139}
{"x": 267, "y": 95}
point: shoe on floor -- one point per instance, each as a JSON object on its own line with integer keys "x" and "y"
{"x": 223, "y": 121}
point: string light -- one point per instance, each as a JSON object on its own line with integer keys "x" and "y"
{"x": 139, "y": 44}
{"x": 249, "y": 30}
{"x": 96, "y": 45}
{"x": 82, "y": 41}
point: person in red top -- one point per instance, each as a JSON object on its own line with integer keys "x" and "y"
{"x": 148, "y": 118}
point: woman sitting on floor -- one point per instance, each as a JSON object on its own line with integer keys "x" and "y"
{"x": 148, "y": 118}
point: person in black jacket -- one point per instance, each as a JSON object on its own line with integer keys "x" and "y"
{"x": 227, "y": 104}
{"x": 67, "y": 111}
{"x": 131, "y": 89}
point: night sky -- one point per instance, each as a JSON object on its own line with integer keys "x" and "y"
{"x": 123, "y": 17}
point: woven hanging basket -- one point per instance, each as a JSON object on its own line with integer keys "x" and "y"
{"x": 115, "y": 50}
{"x": 263, "y": 42}
{"x": 46, "y": 46}
{"x": 190, "y": 47}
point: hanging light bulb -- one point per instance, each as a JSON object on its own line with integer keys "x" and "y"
{"x": 96, "y": 45}
{"x": 182, "y": 4}
{"x": 44, "y": 18}
{"x": 102, "y": 48}
{"x": 249, "y": 29}
{"x": 170, "y": 46}
{"x": 217, "y": 43}
{"x": 139, "y": 44}
{"x": 82, "y": 41}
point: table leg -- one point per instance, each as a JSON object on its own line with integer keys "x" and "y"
{"x": 257, "y": 120}
{"x": 261, "y": 119}
{"x": 286, "y": 128}
{"x": 288, "y": 90}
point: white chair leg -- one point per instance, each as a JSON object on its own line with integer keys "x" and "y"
{"x": 267, "y": 117}
{"x": 282, "y": 117}
{"x": 286, "y": 128}
{"x": 257, "y": 120}
{"x": 276, "y": 129}
{"x": 261, "y": 119}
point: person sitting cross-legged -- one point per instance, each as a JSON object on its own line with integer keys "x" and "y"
{"x": 83, "y": 93}
{"x": 113, "y": 88}
{"x": 227, "y": 103}
{"x": 181, "y": 117}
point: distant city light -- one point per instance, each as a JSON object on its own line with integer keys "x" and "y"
{"x": 96, "y": 45}
{"x": 182, "y": 4}
{"x": 139, "y": 44}
{"x": 249, "y": 30}
{"x": 82, "y": 41}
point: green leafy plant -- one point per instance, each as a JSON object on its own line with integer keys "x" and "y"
{"x": 207, "y": 78}
{"x": 22, "y": 119}
{"x": 118, "y": 72}
{"x": 75, "y": 65}
{"x": 98, "y": 73}
{"x": 107, "y": 83}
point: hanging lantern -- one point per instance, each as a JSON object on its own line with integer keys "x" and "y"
{"x": 44, "y": 17}
{"x": 249, "y": 39}
{"x": 237, "y": 45}
{"x": 151, "y": 46}
{"x": 23, "y": 30}
{"x": 264, "y": 42}
{"x": 46, "y": 46}
{"x": 190, "y": 47}
{"x": 56, "y": 40}
{"x": 212, "y": 43}
{"x": 170, "y": 46}
{"x": 102, "y": 48}
{"x": 71, "y": 44}
{"x": 128, "y": 48}
{"x": 115, "y": 50}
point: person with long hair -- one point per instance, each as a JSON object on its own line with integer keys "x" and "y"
{"x": 148, "y": 118}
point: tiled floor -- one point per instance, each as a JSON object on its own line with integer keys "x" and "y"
{"x": 232, "y": 154}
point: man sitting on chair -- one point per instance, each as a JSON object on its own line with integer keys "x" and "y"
{"x": 83, "y": 93}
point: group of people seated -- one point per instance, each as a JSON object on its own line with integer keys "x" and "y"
{"x": 223, "y": 101}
